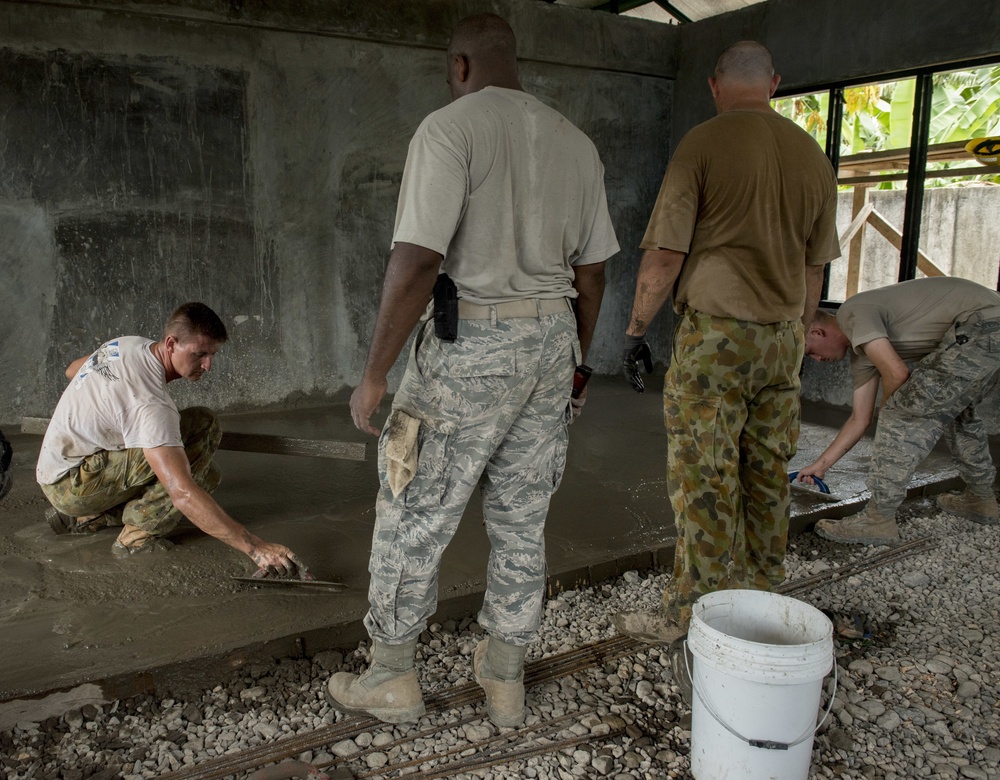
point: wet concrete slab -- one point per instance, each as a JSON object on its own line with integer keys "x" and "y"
{"x": 71, "y": 614}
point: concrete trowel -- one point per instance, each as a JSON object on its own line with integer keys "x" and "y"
{"x": 819, "y": 489}
{"x": 306, "y": 581}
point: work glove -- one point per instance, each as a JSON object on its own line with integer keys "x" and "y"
{"x": 636, "y": 348}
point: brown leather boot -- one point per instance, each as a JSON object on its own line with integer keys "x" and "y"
{"x": 133, "y": 540}
{"x": 61, "y": 523}
{"x": 651, "y": 626}
{"x": 389, "y": 690}
{"x": 978, "y": 509}
{"x": 865, "y": 527}
{"x": 499, "y": 669}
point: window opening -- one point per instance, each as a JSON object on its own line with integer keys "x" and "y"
{"x": 913, "y": 201}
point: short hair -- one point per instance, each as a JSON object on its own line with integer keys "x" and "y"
{"x": 484, "y": 37}
{"x": 825, "y": 316}
{"x": 195, "y": 318}
{"x": 746, "y": 61}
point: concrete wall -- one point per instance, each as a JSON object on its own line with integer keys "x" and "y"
{"x": 249, "y": 155}
{"x": 960, "y": 233}
{"x": 820, "y": 42}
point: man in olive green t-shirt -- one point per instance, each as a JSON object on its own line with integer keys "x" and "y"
{"x": 952, "y": 327}
{"x": 743, "y": 225}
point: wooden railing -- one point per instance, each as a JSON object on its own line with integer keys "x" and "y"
{"x": 865, "y": 170}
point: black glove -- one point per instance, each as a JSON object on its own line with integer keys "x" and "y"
{"x": 636, "y": 349}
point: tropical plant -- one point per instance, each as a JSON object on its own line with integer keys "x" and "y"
{"x": 965, "y": 105}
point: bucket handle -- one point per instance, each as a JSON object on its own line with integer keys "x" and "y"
{"x": 766, "y": 744}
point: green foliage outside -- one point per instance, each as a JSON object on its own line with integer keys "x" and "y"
{"x": 965, "y": 105}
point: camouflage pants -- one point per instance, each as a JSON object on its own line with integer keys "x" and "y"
{"x": 939, "y": 398}
{"x": 493, "y": 409}
{"x": 731, "y": 408}
{"x": 121, "y": 485}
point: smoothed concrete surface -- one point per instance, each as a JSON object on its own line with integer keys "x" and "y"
{"x": 71, "y": 613}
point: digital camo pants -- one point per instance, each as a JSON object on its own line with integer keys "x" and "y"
{"x": 122, "y": 486}
{"x": 731, "y": 408}
{"x": 493, "y": 410}
{"x": 940, "y": 397}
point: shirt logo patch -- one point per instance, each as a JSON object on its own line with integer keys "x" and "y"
{"x": 100, "y": 362}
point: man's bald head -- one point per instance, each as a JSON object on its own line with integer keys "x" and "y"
{"x": 746, "y": 61}
{"x": 481, "y": 53}
{"x": 744, "y": 78}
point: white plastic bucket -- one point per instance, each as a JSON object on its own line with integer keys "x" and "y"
{"x": 759, "y": 663}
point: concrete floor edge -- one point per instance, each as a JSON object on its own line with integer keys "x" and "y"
{"x": 187, "y": 676}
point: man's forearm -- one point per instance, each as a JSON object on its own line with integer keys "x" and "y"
{"x": 862, "y": 413}
{"x": 657, "y": 273}
{"x": 589, "y": 284}
{"x": 849, "y": 435}
{"x": 409, "y": 283}
{"x": 201, "y": 509}
{"x": 814, "y": 292}
{"x": 891, "y": 368}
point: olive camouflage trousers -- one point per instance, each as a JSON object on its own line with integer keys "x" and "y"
{"x": 121, "y": 485}
{"x": 939, "y": 398}
{"x": 731, "y": 409}
{"x": 493, "y": 408}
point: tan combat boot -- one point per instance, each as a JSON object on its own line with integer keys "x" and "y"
{"x": 62, "y": 523}
{"x": 865, "y": 527}
{"x": 651, "y": 626}
{"x": 389, "y": 690}
{"x": 978, "y": 509}
{"x": 133, "y": 540}
{"x": 499, "y": 668}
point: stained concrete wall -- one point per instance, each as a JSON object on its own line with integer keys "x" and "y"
{"x": 960, "y": 233}
{"x": 820, "y": 42}
{"x": 249, "y": 155}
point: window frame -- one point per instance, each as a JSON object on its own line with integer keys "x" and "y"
{"x": 917, "y": 165}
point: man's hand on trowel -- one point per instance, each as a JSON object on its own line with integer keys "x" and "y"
{"x": 806, "y": 474}
{"x": 276, "y": 560}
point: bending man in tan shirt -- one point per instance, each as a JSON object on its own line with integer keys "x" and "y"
{"x": 952, "y": 328}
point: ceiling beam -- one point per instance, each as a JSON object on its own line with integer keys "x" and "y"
{"x": 627, "y": 5}
{"x": 675, "y": 12}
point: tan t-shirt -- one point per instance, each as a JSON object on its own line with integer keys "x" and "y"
{"x": 509, "y": 192}
{"x": 751, "y": 199}
{"x": 913, "y": 315}
{"x": 117, "y": 400}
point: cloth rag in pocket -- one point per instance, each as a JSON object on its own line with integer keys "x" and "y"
{"x": 401, "y": 450}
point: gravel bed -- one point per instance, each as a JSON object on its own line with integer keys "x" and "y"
{"x": 917, "y": 696}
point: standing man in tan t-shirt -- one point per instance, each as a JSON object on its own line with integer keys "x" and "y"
{"x": 483, "y": 406}
{"x": 744, "y": 223}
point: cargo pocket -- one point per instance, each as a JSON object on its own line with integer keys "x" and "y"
{"x": 692, "y": 424}
{"x": 425, "y": 484}
{"x": 398, "y": 450}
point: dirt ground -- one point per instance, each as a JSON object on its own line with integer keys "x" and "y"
{"x": 70, "y": 612}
